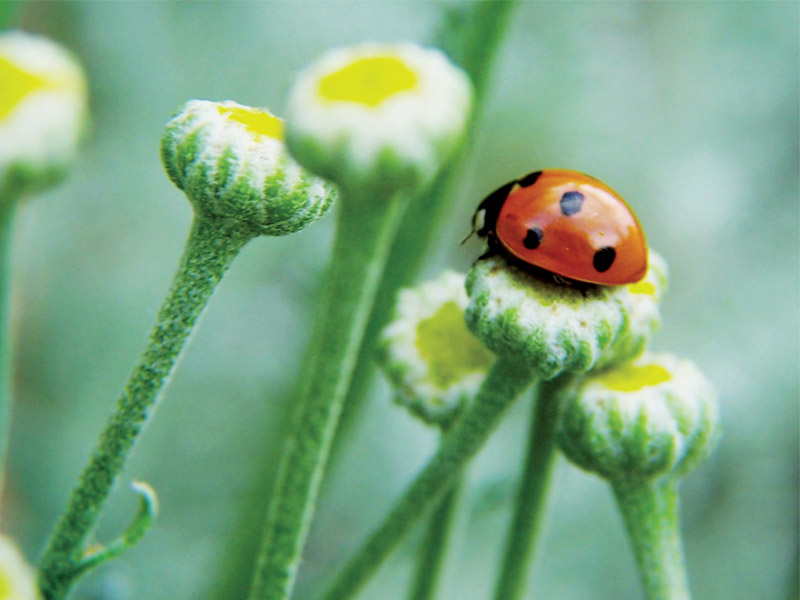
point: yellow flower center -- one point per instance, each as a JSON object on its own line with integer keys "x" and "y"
{"x": 632, "y": 377}
{"x": 6, "y": 587}
{"x": 15, "y": 85}
{"x": 368, "y": 81}
{"x": 449, "y": 348}
{"x": 259, "y": 122}
{"x": 642, "y": 287}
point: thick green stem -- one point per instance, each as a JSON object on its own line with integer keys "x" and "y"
{"x": 507, "y": 380}
{"x": 650, "y": 510}
{"x": 364, "y": 234}
{"x": 6, "y": 223}
{"x": 532, "y": 493}
{"x": 434, "y": 546}
{"x": 470, "y": 33}
{"x": 209, "y": 251}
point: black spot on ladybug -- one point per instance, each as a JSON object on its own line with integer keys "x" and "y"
{"x": 571, "y": 203}
{"x": 533, "y": 238}
{"x": 529, "y": 179}
{"x": 604, "y": 258}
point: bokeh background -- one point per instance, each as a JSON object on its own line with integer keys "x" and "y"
{"x": 689, "y": 110}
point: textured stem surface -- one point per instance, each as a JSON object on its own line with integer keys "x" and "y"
{"x": 470, "y": 34}
{"x": 650, "y": 510}
{"x": 507, "y": 380}
{"x": 6, "y": 224}
{"x": 209, "y": 251}
{"x": 363, "y": 237}
{"x": 432, "y": 555}
{"x": 532, "y": 494}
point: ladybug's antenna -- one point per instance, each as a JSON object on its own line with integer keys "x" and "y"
{"x": 471, "y": 233}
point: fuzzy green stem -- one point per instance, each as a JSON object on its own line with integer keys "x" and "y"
{"x": 431, "y": 560}
{"x": 650, "y": 511}
{"x": 365, "y": 229}
{"x": 470, "y": 34}
{"x": 6, "y": 225}
{"x": 504, "y": 383}
{"x": 532, "y": 493}
{"x": 209, "y": 251}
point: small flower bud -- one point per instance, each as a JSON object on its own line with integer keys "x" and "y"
{"x": 17, "y": 579}
{"x": 431, "y": 359}
{"x": 560, "y": 329}
{"x": 641, "y": 420}
{"x": 378, "y": 116}
{"x": 42, "y": 112}
{"x": 231, "y": 162}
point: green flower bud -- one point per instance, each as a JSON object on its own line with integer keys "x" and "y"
{"x": 378, "y": 116}
{"x": 560, "y": 329}
{"x": 429, "y": 356}
{"x": 17, "y": 579}
{"x": 652, "y": 417}
{"x": 231, "y": 162}
{"x": 43, "y": 112}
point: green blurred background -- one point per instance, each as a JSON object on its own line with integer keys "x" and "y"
{"x": 689, "y": 110}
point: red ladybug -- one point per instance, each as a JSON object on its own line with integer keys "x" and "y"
{"x": 566, "y": 223}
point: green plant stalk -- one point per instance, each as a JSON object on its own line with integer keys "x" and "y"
{"x": 532, "y": 493}
{"x": 650, "y": 511}
{"x": 431, "y": 559}
{"x": 470, "y": 34}
{"x": 365, "y": 229}
{"x": 6, "y": 225}
{"x": 504, "y": 383}
{"x": 210, "y": 249}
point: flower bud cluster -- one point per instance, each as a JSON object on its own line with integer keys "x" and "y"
{"x": 624, "y": 417}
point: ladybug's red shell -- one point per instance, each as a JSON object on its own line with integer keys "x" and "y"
{"x": 566, "y": 223}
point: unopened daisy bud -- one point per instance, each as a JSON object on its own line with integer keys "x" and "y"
{"x": 231, "y": 162}
{"x": 556, "y": 328}
{"x": 43, "y": 111}
{"x": 654, "y": 416}
{"x": 378, "y": 116}
{"x": 431, "y": 359}
{"x": 17, "y": 579}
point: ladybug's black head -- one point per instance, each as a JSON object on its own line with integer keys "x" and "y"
{"x": 485, "y": 217}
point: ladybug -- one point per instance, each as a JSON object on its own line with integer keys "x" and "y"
{"x": 567, "y": 224}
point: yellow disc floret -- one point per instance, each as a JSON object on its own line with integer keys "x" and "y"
{"x": 259, "y": 122}
{"x": 449, "y": 348}
{"x": 630, "y": 377}
{"x": 16, "y": 84}
{"x": 642, "y": 287}
{"x": 368, "y": 81}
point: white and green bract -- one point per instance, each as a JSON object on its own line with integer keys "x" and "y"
{"x": 432, "y": 360}
{"x": 231, "y": 171}
{"x": 657, "y": 428}
{"x": 397, "y": 142}
{"x": 560, "y": 329}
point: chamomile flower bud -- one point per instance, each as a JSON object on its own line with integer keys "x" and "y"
{"x": 17, "y": 579}
{"x": 43, "y": 110}
{"x": 645, "y": 419}
{"x": 430, "y": 357}
{"x": 231, "y": 162}
{"x": 561, "y": 329}
{"x": 378, "y": 116}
